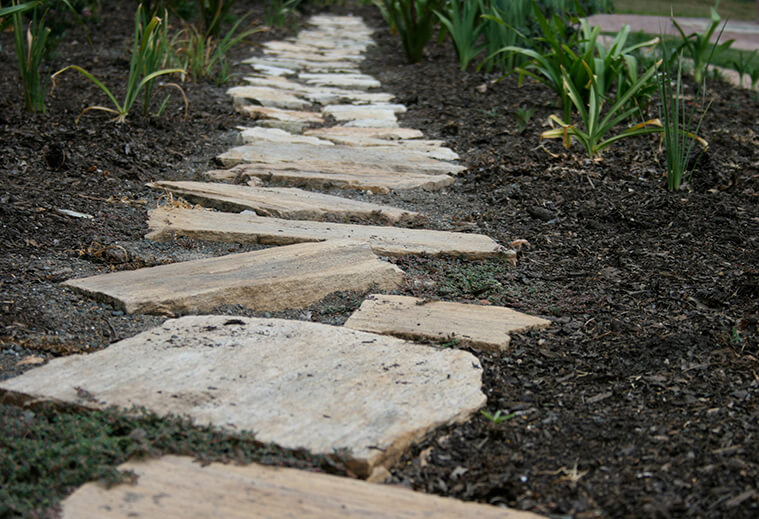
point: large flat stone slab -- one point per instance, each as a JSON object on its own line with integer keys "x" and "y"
{"x": 282, "y": 202}
{"x": 340, "y": 158}
{"x": 321, "y": 95}
{"x": 290, "y": 120}
{"x": 267, "y": 96}
{"x": 271, "y": 279}
{"x": 297, "y": 384}
{"x": 167, "y": 223}
{"x": 334, "y": 175}
{"x": 174, "y": 487}
{"x": 485, "y": 328}
{"x": 361, "y": 112}
{"x": 261, "y": 134}
{"x": 313, "y": 67}
{"x": 389, "y": 133}
{"x": 340, "y": 80}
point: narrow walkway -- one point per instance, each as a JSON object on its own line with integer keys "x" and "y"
{"x": 361, "y": 390}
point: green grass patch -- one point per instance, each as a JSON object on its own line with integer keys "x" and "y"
{"x": 728, "y": 9}
{"x": 48, "y": 452}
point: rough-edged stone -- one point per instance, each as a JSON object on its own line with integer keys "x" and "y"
{"x": 174, "y": 487}
{"x": 334, "y": 176}
{"x": 266, "y": 96}
{"x": 290, "y": 120}
{"x": 282, "y": 202}
{"x": 433, "y": 149}
{"x": 340, "y": 80}
{"x": 273, "y": 279}
{"x": 321, "y": 95}
{"x": 474, "y": 326}
{"x": 297, "y": 384}
{"x": 371, "y": 123}
{"x": 347, "y": 158}
{"x": 394, "y": 133}
{"x": 273, "y": 71}
{"x": 168, "y": 223}
{"x": 260, "y": 134}
{"x": 360, "y": 112}
{"x": 323, "y": 67}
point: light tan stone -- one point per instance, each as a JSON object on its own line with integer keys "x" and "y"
{"x": 274, "y": 71}
{"x": 334, "y": 176}
{"x": 297, "y": 384}
{"x": 393, "y": 133}
{"x": 481, "y": 327}
{"x": 360, "y": 112}
{"x": 321, "y": 67}
{"x": 167, "y": 223}
{"x": 325, "y": 56}
{"x": 340, "y": 80}
{"x": 433, "y": 149}
{"x": 266, "y": 96}
{"x": 341, "y": 158}
{"x": 322, "y": 95}
{"x": 173, "y": 487}
{"x": 273, "y": 279}
{"x": 282, "y": 202}
{"x": 290, "y": 120}
{"x": 260, "y": 134}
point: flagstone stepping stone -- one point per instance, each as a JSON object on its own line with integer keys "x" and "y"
{"x": 343, "y": 58}
{"x": 369, "y": 133}
{"x": 385, "y": 112}
{"x": 371, "y": 123}
{"x": 322, "y": 67}
{"x": 340, "y": 80}
{"x": 177, "y": 487}
{"x": 273, "y": 71}
{"x": 266, "y": 96}
{"x": 322, "y": 95}
{"x": 433, "y": 149}
{"x": 167, "y": 223}
{"x": 260, "y": 134}
{"x": 273, "y": 279}
{"x": 290, "y": 120}
{"x": 480, "y": 327}
{"x": 334, "y": 176}
{"x": 282, "y": 202}
{"x": 294, "y": 383}
{"x": 346, "y": 158}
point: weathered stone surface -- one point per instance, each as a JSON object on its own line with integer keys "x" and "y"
{"x": 370, "y": 123}
{"x": 322, "y": 95}
{"x": 267, "y": 96}
{"x": 323, "y": 67}
{"x": 305, "y": 157}
{"x": 379, "y": 112}
{"x": 482, "y": 327}
{"x": 340, "y": 80}
{"x": 274, "y": 71}
{"x": 394, "y": 133}
{"x": 174, "y": 487}
{"x": 334, "y": 175}
{"x": 167, "y": 223}
{"x": 297, "y": 384}
{"x": 282, "y": 202}
{"x": 271, "y": 279}
{"x": 259, "y": 134}
{"x": 290, "y": 120}
{"x": 326, "y": 56}
{"x": 430, "y": 148}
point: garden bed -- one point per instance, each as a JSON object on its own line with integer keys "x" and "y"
{"x": 640, "y": 399}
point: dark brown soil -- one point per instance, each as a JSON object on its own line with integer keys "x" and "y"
{"x": 639, "y": 401}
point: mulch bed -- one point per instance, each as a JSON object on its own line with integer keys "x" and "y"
{"x": 639, "y": 401}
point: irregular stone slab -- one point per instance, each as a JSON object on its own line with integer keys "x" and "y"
{"x": 271, "y": 279}
{"x": 369, "y": 133}
{"x": 322, "y": 95}
{"x": 370, "y": 123}
{"x": 304, "y": 156}
{"x": 430, "y": 148}
{"x": 174, "y": 487}
{"x": 340, "y": 80}
{"x": 290, "y": 120}
{"x": 273, "y": 71}
{"x": 358, "y": 112}
{"x": 329, "y": 176}
{"x": 343, "y": 58}
{"x": 167, "y": 223}
{"x": 259, "y": 134}
{"x": 282, "y": 202}
{"x": 322, "y": 67}
{"x": 297, "y": 384}
{"x": 266, "y": 96}
{"x": 484, "y": 328}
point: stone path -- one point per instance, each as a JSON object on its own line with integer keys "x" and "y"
{"x": 328, "y": 389}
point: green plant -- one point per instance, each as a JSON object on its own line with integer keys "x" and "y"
{"x": 498, "y": 417}
{"x": 522, "y": 115}
{"x": 698, "y": 46}
{"x": 413, "y": 20}
{"x": 595, "y": 126}
{"x": 505, "y": 24}
{"x": 278, "y": 11}
{"x": 148, "y": 52}
{"x": 742, "y": 65}
{"x": 462, "y": 21}
{"x": 678, "y": 121}
{"x": 204, "y": 56}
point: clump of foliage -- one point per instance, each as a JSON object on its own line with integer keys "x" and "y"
{"x": 699, "y": 48}
{"x": 279, "y": 11}
{"x": 149, "y": 52}
{"x": 413, "y": 20}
